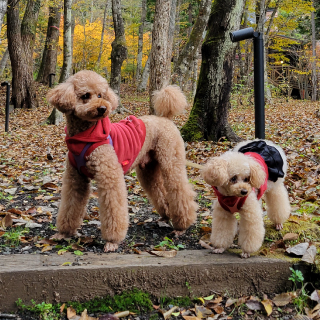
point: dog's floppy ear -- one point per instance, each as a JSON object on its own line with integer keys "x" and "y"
{"x": 215, "y": 172}
{"x": 257, "y": 174}
{"x": 112, "y": 98}
{"x": 62, "y": 97}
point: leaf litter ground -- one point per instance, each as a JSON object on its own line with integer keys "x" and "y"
{"x": 30, "y": 184}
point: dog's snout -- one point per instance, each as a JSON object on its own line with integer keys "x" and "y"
{"x": 244, "y": 192}
{"x": 101, "y": 110}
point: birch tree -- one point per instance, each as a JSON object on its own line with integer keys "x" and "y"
{"x": 3, "y": 10}
{"x": 209, "y": 115}
{"x": 67, "y": 41}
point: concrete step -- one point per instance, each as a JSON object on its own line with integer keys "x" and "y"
{"x": 44, "y": 278}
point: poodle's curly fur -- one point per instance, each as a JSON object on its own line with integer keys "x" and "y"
{"x": 160, "y": 164}
{"x": 221, "y": 172}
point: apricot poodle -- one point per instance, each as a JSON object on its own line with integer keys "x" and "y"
{"x": 105, "y": 151}
{"x": 239, "y": 178}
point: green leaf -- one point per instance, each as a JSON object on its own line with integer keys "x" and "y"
{"x": 78, "y": 253}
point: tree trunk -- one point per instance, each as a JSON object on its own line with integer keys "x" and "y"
{"x": 209, "y": 115}
{"x": 21, "y": 43}
{"x": 102, "y": 33}
{"x": 4, "y": 60}
{"x": 171, "y": 33}
{"x": 67, "y": 42}
{"x": 159, "y": 73}
{"x": 49, "y": 56}
{"x": 3, "y": 10}
{"x": 261, "y": 8}
{"x": 145, "y": 76}
{"x": 314, "y": 70}
{"x": 176, "y": 35}
{"x": 119, "y": 50}
{"x": 140, "y": 40}
{"x": 184, "y": 65}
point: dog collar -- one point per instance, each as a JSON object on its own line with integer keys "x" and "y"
{"x": 231, "y": 204}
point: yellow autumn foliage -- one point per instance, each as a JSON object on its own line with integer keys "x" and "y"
{"x": 86, "y": 47}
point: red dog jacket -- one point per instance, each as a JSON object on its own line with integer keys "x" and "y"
{"x": 233, "y": 203}
{"x": 126, "y": 137}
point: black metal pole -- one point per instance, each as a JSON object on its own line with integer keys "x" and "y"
{"x": 50, "y": 79}
{"x": 258, "y": 48}
{"x": 6, "y": 126}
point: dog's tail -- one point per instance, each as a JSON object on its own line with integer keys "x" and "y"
{"x": 169, "y": 101}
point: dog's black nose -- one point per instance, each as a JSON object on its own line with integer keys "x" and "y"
{"x": 244, "y": 192}
{"x": 101, "y": 110}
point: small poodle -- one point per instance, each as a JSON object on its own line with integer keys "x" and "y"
{"x": 239, "y": 178}
{"x": 105, "y": 151}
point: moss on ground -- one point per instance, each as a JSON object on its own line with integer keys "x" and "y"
{"x": 305, "y": 229}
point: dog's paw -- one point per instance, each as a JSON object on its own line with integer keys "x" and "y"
{"x": 218, "y": 250}
{"x": 178, "y": 233}
{"x": 245, "y": 255}
{"x": 279, "y": 226}
{"x": 109, "y": 246}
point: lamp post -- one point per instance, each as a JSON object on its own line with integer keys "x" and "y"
{"x": 258, "y": 55}
{"x": 6, "y": 126}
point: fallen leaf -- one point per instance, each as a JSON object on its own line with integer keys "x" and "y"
{"x": 136, "y": 251}
{"x": 315, "y": 296}
{"x": 122, "y": 314}
{"x": 46, "y": 248}
{"x": 282, "y": 299}
{"x": 84, "y": 316}
{"x": 15, "y": 211}
{"x": 267, "y": 306}
{"x": 209, "y": 297}
{"x": 167, "y": 314}
{"x": 230, "y": 302}
{"x": 190, "y": 318}
{"x": 299, "y": 249}
{"x": 217, "y": 300}
{"x": 290, "y": 237}
{"x": 300, "y": 317}
{"x": 7, "y": 221}
{"x": 254, "y": 305}
{"x": 310, "y": 254}
{"x": 164, "y": 254}
{"x": 71, "y": 312}
{"x": 202, "y": 312}
{"x": 67, "y": 264}
{"x": 62, "y": 308}
{"x": 205, "y": 245}
{"x": 205, "y": 230}
{"x": 218, "y": 309}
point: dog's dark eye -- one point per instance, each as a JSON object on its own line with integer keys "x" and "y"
{"x": 85, "y": 96}
{"x": 247, "y": 179}
{"x": 233, "y": 179}
{"x": 99, "y": 95}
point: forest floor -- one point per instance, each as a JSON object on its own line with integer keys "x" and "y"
{"x": 30, "y": 183}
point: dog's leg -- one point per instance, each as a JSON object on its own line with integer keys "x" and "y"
{"x": 74, "y": 197}
{"x": 151, "y": 181}
{"x": 170, "y": 154}
{"x": 224, "y": 228}
{"x": 251, "y": 227}
{"x": 278, "y": 205}
{"x": 112, "y": 194}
